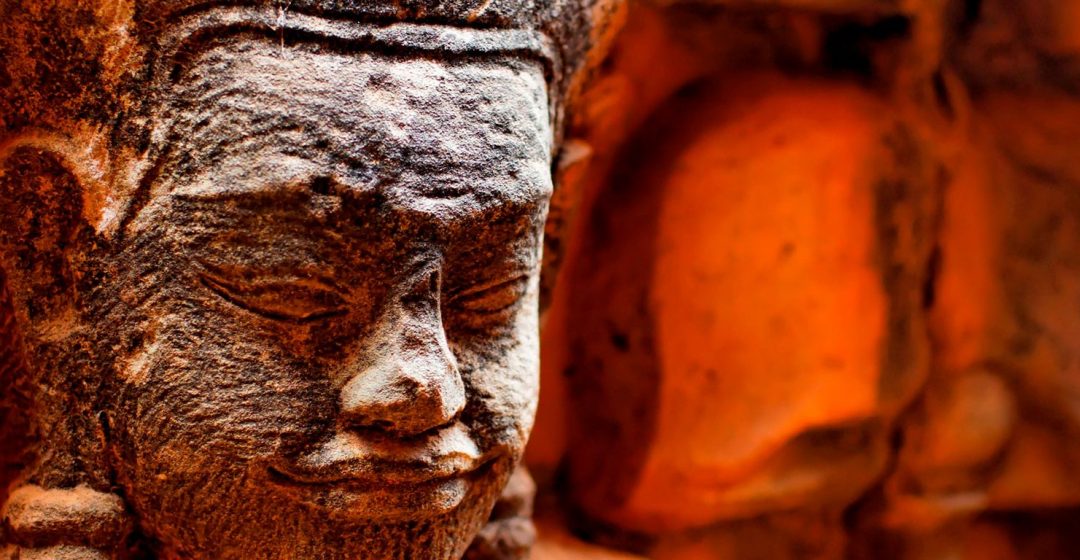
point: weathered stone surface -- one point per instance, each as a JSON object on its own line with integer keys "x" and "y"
{"x": 509, "y": 533}
{"x": 79, "y": 516}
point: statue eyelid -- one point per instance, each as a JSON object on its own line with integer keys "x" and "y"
{"x": 491, "y": 298}
{"x": 275, "y": 297}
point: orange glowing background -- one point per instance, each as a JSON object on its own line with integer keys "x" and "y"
{"x": 820, "y": 293}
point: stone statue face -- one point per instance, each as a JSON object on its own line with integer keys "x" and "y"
{"x": 325, "y": 297}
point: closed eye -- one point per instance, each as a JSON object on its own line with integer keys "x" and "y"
{"x": 490, "y": 303}
{"x": 285, "y": 297}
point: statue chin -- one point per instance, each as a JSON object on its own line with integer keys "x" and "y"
{"x": 262, "y": 518}
{"x": 317, "y": 531}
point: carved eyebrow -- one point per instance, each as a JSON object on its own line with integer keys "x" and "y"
{"x": 306, "y": 274}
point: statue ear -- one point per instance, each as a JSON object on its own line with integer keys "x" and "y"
{"x": 569, "y": 173}
{"x": 46, "y": 182}
{"x": 47, "y": 245}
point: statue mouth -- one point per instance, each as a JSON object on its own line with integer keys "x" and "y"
{"x": 383, "y": 462}
{"x": 372, "y": 476}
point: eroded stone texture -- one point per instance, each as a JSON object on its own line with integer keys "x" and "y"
{"x": 510, "y": 532}
{"x": 273, "y": 272}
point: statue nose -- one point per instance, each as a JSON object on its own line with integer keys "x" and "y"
{"x": 412, "y": 384}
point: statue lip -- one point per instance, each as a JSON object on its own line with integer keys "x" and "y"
{"x": 382, "y": 461}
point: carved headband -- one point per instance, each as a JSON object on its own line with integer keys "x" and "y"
{"x": 401, "y": 37}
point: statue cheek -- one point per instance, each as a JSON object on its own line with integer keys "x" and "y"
{"x": 524, "y": 385}
{"x": 506, "y": 391}
{"x": 224, "y": 402}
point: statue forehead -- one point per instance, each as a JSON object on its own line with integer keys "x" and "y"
{"x": 354, "y": 87}
{"x": 358, "y": 71}
{"x": 251, "y": 116}
{"x": 189, "y": 37}
{"x": 180, "y": 34}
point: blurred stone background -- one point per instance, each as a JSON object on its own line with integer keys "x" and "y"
{"x": 818, "y": 286}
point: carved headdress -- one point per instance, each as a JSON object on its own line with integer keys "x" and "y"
{"x": 570, "y": 27}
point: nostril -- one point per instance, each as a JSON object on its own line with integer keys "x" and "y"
{"x": 321, "y": 185}
{"x": 405, "y": 420}
{"x": 382, "y": 425}
{"x": 360, "y": 422}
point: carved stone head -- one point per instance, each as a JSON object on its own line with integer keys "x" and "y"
{"x": 291, "y": 312}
